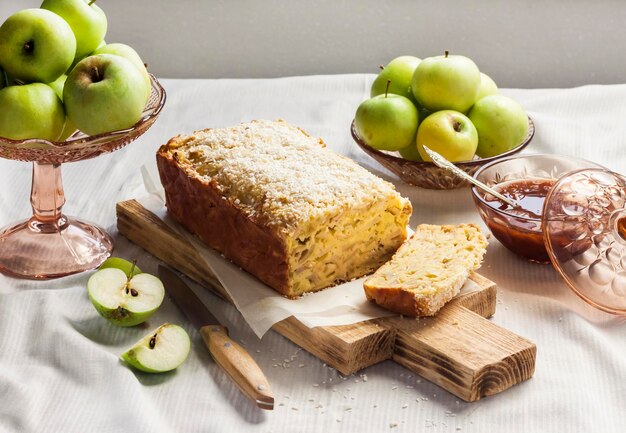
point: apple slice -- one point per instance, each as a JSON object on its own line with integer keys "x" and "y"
{"x": 123, "y": 264}
{"x": 125, "y": 301}
{"x": 163, "y": 349}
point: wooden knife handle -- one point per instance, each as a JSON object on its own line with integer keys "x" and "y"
{"x": 239, "y": 365}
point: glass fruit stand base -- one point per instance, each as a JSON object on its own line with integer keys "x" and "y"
{"x": 50, "y": 244}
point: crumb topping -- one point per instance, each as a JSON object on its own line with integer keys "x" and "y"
{"x": 276, "y": 173}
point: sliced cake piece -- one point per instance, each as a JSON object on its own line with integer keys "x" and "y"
{"x": 427, "y": 270}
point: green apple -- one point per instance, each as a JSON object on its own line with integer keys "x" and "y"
{"x": 130, "y": 54}
{"x": 104, "y": 93}
{"x": 446, "y": 82}
{"x": 85, "y": 18}
{"x": 501, "y": 123}
{"x": 400, "y": 72}
{"x": 122, "y": 300}
{"x": 30, "y": 111}
{"x": 129, "y": 268}
{"x": 386, "y": 122}
{"x": 487, "y": 87}
{"x": 36, "y": 45}
{"x": 58, "y": 84}
{"x": 74, "y": 63}
{"x": 69, "y": 128}
{"x": 411, "y": 152}
{"x": 448, "y": 133}
{"x": 163, "y": 349}
{"x": 3, "y": 79}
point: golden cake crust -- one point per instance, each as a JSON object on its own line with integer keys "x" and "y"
{"x": 270, "y": 198}
{"x": 198, "y": 205}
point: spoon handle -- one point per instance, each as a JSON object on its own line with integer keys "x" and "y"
{"x": 441, "y": 162}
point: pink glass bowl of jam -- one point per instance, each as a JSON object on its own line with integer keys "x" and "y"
{"x": 568, "y": 211}
{"x": 527, "y": 180}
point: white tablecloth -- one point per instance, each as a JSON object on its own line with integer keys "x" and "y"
{"x": 59, "y": 367}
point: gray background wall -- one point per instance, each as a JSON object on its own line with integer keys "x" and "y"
{"x": 519, "y": 43}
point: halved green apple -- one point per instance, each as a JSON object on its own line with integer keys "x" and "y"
{"x": 122, "y": 300}
{"x": 120, "y": 263}
{"x": 163, "y": 349}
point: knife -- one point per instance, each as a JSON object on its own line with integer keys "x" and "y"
{"x": 229, "y": 355}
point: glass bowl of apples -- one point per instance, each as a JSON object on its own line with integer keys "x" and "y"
{"x": 50, "y": 244}
{"x": 426, "y": 174}
{"x": 65, "y": 96}
{"x": 445, "y": 103}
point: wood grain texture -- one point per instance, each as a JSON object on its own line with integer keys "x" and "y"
{"x": 462, "y": 352}
{"x": 458, "y": 349}
{"x": 148, "y": 231}
{"x": 239, "y": 365}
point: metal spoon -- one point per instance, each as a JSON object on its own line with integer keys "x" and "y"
{"x": 441, "y": 162}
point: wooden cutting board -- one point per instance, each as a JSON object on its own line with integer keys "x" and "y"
{"x": 458, "y": 349}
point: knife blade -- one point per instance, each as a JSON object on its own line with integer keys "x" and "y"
{"x": 229, "y": 355}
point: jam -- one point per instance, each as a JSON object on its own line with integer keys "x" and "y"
{"x": 519, "y": 229}
{"x": 530, "y": 194}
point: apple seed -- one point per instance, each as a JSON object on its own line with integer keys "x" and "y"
{"x": 152, "y": 341}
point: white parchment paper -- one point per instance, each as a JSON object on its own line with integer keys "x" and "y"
{"x": 259, "y": 304}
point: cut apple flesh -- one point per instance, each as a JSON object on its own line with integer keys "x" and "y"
{"x": 161, "y": 350}
{"x": 111, "y": 289}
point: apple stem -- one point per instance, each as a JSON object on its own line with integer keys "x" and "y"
{"x": 96, "y": 73}
{"x": 133, "y": 264}
{"x": 387, "y": 88}
{"x": 382, "y": 67}
{"x": 132, "y": 292}
{"x": 18, "y": 82}
{"x": 92, "y": 2}
{"x": 456, "y": 125}
{"x": 445, "y": 53}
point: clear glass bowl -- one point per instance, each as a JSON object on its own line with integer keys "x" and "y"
{"x": 521, "y": 234}
{"x": 50, "y": 244}
{"x": 426, "y": 174}
{"x": 581, "y": 227}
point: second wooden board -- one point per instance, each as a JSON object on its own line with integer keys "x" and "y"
{"x": 458, "y": 349}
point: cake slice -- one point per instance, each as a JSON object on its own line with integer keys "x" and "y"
{"x": 280, "y": 205}
{"x": 427, "y": 270}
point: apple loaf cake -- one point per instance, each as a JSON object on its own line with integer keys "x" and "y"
{"x": 276, "y": 202}
{"x": 427, "y": 270}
